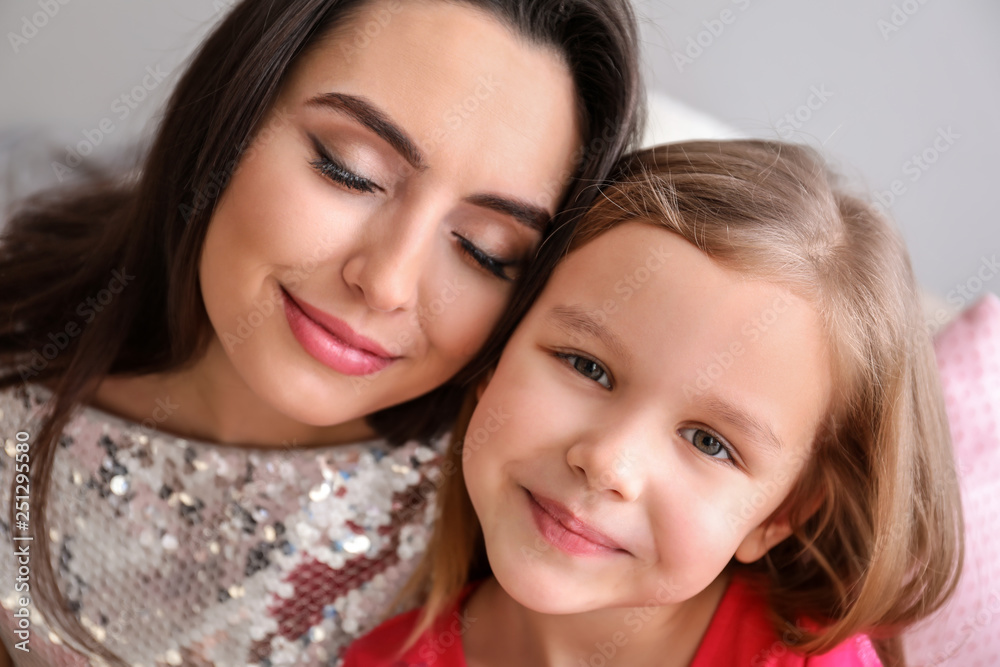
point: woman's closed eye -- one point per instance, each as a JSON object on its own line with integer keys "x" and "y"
{"x": 492, "y": 264}
{"x": 338, "y": 173}
{"x": 332, "y": 169}
{"x": 587, "y": 367}
{"x": 708, "y": 443}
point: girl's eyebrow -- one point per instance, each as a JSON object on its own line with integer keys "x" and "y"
{"x": 756, "y": 430}
{"x": 580, "y": 323}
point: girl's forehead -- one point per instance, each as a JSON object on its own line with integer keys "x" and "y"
{"x": 666, "y": 318}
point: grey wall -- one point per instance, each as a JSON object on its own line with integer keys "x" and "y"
{"x": 870, "y": 83}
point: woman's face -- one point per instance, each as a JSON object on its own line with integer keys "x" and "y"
{"x": 365, "y": 246}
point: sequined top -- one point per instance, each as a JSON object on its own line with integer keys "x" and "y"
{"x": 178, "y": 552}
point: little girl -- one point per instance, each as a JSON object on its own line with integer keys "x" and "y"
{"x": 717, "y": 438}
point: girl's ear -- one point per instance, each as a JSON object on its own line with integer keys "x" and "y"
{"x": 482, "y": 384}
{"x": 766, "y": 535}
{"x": 762, "y": 538}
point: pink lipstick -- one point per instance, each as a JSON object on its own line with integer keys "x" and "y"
{"x": 332, "y": 341}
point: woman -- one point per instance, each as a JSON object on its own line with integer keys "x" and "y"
{"x": 251, "y": 348}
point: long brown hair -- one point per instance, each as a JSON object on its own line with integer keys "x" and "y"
{"x": 884, "y": 547}
{"x": 64, "y": 246}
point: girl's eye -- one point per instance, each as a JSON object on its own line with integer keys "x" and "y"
{"x": 707, "y": 443}
{"x": 337, "y": 173}
{"x": 588, "y": 368}
{"x": 493, "y": 265}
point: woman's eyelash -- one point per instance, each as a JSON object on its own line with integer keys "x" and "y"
{"x": 586, "y": 367}
{"x": 333, "y": 170}
{"x": 336, "y": 172}
{"x": 494, "y": 265}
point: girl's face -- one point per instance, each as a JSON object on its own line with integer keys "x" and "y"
{"x": 650, "y": 412}
{"x": 365, "y": 246}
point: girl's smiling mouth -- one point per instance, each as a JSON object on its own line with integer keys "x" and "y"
{"x": 562, "y": 529}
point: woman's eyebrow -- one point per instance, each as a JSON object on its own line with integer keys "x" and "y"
{"x": 527, "y": 214}
{"x": 365, "y": 112}
{"x": 376, "y": 120}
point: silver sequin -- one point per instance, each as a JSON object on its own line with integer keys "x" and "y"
{"x": 181, "y": 552}
{"x": 119, "y": 485}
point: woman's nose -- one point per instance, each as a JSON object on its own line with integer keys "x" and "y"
{"x": 387, "y": 266}
{"x": 611, "y": 460}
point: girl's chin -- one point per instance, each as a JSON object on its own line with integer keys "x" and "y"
{"x": 539, "y": 589}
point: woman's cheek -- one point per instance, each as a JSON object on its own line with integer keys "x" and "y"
{"x": 460, "y": 315}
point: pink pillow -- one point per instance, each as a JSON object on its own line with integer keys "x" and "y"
{"x": 966, "y": 631}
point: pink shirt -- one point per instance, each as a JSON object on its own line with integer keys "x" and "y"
{"x": 739, "y": 635}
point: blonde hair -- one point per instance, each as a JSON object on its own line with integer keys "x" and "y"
{"x": 884, "y": 546}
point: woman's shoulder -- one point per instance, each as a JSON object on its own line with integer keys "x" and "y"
{"x": 22, "y": 405}
{"x": 301, "y": 541}
{"x": 741, "y": 633}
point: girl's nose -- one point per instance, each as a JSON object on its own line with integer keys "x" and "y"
{"x": 611, "y": 461}
{"x": 387, "y": 266}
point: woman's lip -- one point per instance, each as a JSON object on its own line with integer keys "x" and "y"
{"x": 340, "y": 329}
{"x": 590, "y": 540}
{"x": 327, "y": 347}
